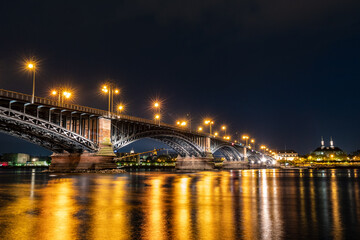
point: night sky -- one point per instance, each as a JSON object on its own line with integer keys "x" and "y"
{"x": 284, "y": 72}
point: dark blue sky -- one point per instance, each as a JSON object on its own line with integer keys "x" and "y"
{"x": 285, "y": 72}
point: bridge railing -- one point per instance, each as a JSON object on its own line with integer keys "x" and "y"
{"x": 89, "y": 110}
{"x": 74, "y": 107}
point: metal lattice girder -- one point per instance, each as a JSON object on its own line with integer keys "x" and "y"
{"x": 176, "y": 140}
{"x": 42, "y": 132}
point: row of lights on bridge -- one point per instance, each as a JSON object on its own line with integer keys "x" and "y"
{"x": 112, "y": 90}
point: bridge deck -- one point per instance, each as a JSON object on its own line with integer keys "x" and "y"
{"x": 74, "y": 107}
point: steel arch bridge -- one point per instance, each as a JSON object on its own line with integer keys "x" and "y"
{"x": 78, "y": 129}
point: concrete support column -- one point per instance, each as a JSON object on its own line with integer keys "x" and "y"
{"x": 104, "y": 126}
{"x": 245, "y": 155}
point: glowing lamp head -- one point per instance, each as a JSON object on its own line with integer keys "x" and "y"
{"x": 178, "y": 122}
{"x": 116, "y": 91}
{"x": 121, "y": 107}
{"x": 223, "y": 127}
{"x": 67, "y": 94}
{"x": 183, "y": 124}
{"x": 156, "y": 104}
{"x": 245, "y": 137}
{"x": 157, "y": 116}
{"x": 30, "y": 66}
{"x": 54, "y": 92}
{"x": 200, "y": 129}
{"x": 216, "y": 133}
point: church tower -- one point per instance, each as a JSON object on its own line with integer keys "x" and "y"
{"x": 331, "y": 143}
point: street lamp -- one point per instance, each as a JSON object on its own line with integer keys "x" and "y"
{"x": 156, "y": 106}
{"x": 200, "y": 129}
{"x": 120, "y": 108}
{"x": 253, "y": 143}
{"x": 216, "y": 134}
{"x": 61, "y": 93}
{"x": 246, "y": 138}
{"x": 224, "y": 129}
{"x": 111, "y": 90}
{"x": 31, "y": 66}
{"x": 263, "y": 147}
{"x": 181, "y": 123}
{"x": 209, "y": 122}
{"x": 157, "y": 118}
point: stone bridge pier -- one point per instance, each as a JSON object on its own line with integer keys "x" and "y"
{"x": 102, "y": 159}
{"x": 198, "y": 163}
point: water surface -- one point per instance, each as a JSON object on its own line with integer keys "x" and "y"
{"x": 244, "y": 204}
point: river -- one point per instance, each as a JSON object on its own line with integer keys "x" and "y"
{"x": 239, "y": 204}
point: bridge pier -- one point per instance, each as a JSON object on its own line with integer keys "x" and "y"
{"x": 194, "y": 163}
{"x": 80, "y": 161}
{"x": 235, "y": 165}
{"x": 102, "y": 159}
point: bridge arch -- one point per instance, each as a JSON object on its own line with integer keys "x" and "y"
{"x": 43, "y": 133}
{"x": 182, "y": 144}
{"x": 230, "y": 153}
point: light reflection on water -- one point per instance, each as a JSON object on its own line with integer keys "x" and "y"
{"x": 247, "y": 204}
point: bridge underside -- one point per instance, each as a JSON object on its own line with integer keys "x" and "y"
{"x": 43, "y": 133}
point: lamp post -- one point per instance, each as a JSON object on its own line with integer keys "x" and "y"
{"x": 156, "y": 105}
{"x": 157, "y": 118}
{"x": 62, "y": 93}
{"x": 246, "y": 138}
{"x": 224, "y": 129}
{"x": 31, "y": 67}
{"x": 253, "y": 143}
{"x": 210, "y": 122}
{"x": 111, "y": 90}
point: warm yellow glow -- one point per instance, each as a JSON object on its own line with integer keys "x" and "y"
{"x": 200, "y": 129}
{"x": 67, "y": 94}
{"x": 223, "y": 127}
{"x": 331, "y": 155}
{"x": 30, "y": 66}
{"x": 54, "y": 92}
{"x": 208, "y": 122}
{"x": 262, "y": 147}
{"x": 156, "y": 104}
{"x": 216, "y": 133}
{"x": 252, "y": 140}
{"x": 105, "y": 87}
{"x": 181, "y": 123}
{"x": 105, "y": 90}
{"x": 245, "y": 137}
{"x": 116, "y": 91}
{"x": 120, "y": 107}
{"x": 157, "y": 116}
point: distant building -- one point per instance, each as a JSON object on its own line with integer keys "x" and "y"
{"x": 288, "y": 155}
{"x": 328, "y": 153}
{"x": 16, "y": 158}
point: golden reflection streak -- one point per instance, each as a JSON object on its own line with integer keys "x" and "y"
{"x": 313, "y": 200}
{"x": 277, "y": 222}
{"x": 154, "y": 227}
{"x": 19, "y": 224}
{"x": 206, "y": 227}
{"x": 249, "y": 212}
{"x": 337, "y": 228}
{"x": 108, "y": 210}
{"x": 265, "y": 206}
{"x": 226, "y": 209}
{"x": 57, "y": 220}
{"x": 182, "y": 223}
